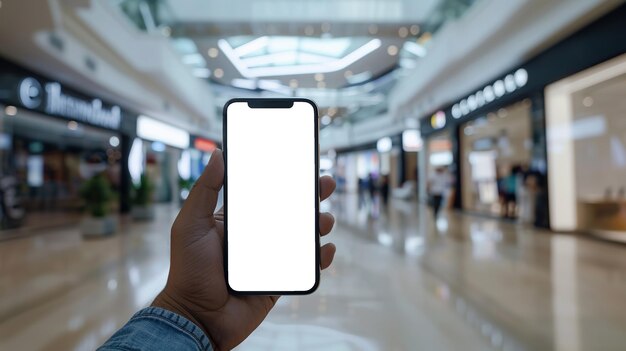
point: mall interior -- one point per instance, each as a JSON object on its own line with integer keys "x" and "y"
{"x": 507, "y": 112}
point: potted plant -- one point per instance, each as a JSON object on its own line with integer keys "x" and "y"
{"x": 97, "y": 195}
{"x": 143, "y": 206}
{"x": 185, "y": 186}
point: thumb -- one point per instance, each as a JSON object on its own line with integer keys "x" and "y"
{"x": 202, "y": 199}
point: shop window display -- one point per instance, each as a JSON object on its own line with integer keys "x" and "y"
{"x": 44, "y": 163}
{"x": 587, "y": 150}
{"x": 495, "y": 163}
{"x": 436, "y": 154}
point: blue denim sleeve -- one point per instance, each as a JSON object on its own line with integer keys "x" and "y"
{"x": 157, "y": 329}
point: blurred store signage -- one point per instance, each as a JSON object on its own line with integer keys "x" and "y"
{"x": 204, "y": 144}
{"x": 384, "y": 145}
{"x": 52, "y": 99}
{"x": 492, "y": 92}
{"x": 411, "y": 140}
{"x": 150, "y": 129}
{"x": 438, "y": 120}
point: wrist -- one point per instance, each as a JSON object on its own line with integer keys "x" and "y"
{"x": 167, "y": 302}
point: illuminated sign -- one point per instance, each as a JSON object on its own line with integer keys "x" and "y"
{"x": 151, "y": 129}
{"x": 411, "y": 140}
{"x": 53, "y": 100}
{"x": 384, "y": 145}
{"x": 204, "y": 145}
{"x": 438, "y": 120}
{"x": 492, "y": 92}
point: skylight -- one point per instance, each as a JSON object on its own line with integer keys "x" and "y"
{"x": 280, "y": 55}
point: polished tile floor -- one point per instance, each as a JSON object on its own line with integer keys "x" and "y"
{"x": 400, "y": 282}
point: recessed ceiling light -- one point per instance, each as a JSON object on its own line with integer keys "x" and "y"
{"x": 319, "y": 77}
{"x": 114, "y": 141}
{"x": 326, "y": 120}
{"x": 392, "y": 50}
{"x": 321, "y": 85}
{"x": 372, "y": 29}
{"x": 415, "y": 29}
{"x": 588, "y": 101}
{"x": 309, "y": 30}
{"x": 10, "y": 110}
{"x": 72, "y": 125}
{"x": 166, "y": 30}
{"x": 424, "y": 38}
{"x": 403, "y": 32}
{"x": 347, "y": 74}
{"x": 213, "y": 52}
{"x": 293, "y": 83}
{"x": 218, "y": 73}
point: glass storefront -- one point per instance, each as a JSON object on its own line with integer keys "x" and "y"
{"x": 199, "y": 156}
{"x": 45, "y": 161}
{"x": 355, "y": 170}
{"x": 495, "y": 161}
{"x": 586, "y": 132}
{"x": 436, "y": 154}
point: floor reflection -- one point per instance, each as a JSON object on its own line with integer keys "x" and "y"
{"x": 401, "y": 281}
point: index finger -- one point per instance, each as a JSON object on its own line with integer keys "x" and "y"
{"x": 202, "y": 199}
{"x": 327, "y": 186}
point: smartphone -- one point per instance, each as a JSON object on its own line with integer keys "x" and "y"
{"x": 271, "y": 196}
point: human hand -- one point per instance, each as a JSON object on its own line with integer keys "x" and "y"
{"x": 196, "y": 286}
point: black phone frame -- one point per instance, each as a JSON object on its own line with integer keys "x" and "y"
{"x": 272, "y": 103}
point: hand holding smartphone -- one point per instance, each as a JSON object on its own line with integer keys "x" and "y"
{"x": 271, "y": 159}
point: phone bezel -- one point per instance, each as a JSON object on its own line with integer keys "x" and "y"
{"x": 272, "y": 103}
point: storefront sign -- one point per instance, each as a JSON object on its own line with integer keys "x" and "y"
{"x": 53, "y": 100}
{"x": 384, "y": 145}
{"x": 204, "y": 144}
{"x": 411, "y": 140}
{"x": 490, "y": 93}
{"x": 150, "y": 129}
{"x": 438, "y": 120}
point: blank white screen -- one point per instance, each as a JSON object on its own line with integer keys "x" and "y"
{"x": 271, "y": 179}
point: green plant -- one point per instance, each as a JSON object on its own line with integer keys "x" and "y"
{"x": 185, "y": 183}
{"x": 97, "y": 194}
{"x": 143, "y": 191}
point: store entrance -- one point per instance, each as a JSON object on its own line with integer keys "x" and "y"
{"x": 496, "y": 154}
{"x": 587, "y": 150}
{"x": 47, "y": 161}
{"x": 437, "y": 161}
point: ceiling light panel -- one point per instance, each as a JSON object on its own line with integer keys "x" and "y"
{"x": 335, "y": 47}
{"x": 257, "y": 45}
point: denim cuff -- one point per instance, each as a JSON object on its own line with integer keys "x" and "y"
{"x": 178, "y": 322}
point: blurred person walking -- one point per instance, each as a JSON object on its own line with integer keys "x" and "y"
{"x": 526, "y": 190}
{"x": 384, "y": 189}
{"x": 372, "y": 186}
{"x": 509, "y": 190}
{"x": 437, "y": 187}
